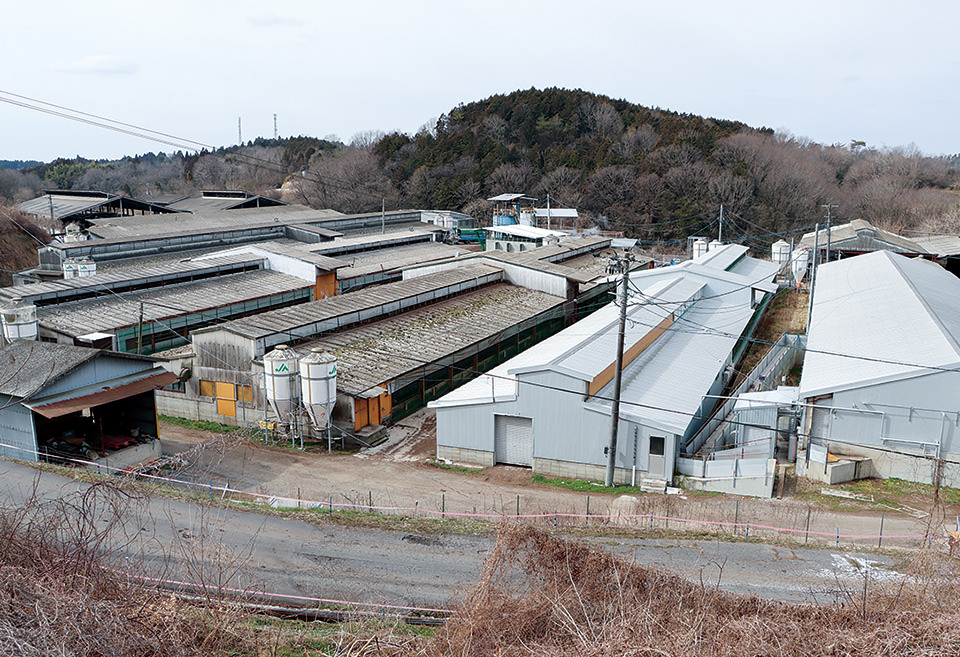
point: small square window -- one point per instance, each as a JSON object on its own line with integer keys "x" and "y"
{"x": 656, "y": 445}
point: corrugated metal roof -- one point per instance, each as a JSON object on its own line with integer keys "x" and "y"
{"x": 369, "y": 241}
{"x": 116, "y": 311}
{"x": 294, "y": 250}
{"x": 286, "y": 320}
{"x": 861, "y": 235}
{"x": 943, "y": 245}
{"x": 29, "y": 366}
{"x": 393, "y": 258}
{"x": 111, "y": 278}
{"x": 875, "y": 318}
{"x": 206, "y": 201}
{"x": 77, "y": 400}
{"x": 68, "y": 203}
{"x": 185, "y": 223}
{"x": 377, "y": 353}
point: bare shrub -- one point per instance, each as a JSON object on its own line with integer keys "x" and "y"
{"x": 62, "y": 592}
{"x": 541, "y": 595}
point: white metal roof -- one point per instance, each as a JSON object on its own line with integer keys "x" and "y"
{"x": 531, "y": 232}
{"x": 779, "y": 396}
{"x": 510, "y": 197}
{"x": 665, "y": 384}
{"x": 880, "y": 317}
{"x": 560, "y": 213}
{"x": 664, "y": 387}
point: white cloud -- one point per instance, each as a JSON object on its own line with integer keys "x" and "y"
{"x": 101, "y": 64}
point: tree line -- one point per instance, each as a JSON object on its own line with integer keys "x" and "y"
{"x": 648, "y": 172}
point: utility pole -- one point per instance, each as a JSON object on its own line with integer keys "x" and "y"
{"x": 383, "y": 215}
{"x": 828, "y": 206}
{"x": 274, "y": 126}
{"x": 239, "y": 133}
{"x": 618, "y": 264}
{"x": 720, "y": 229}
{"x": 53, "y": 225}
{"x": 813, "y": 272}
{"x": 140, "y": 331}
{"x": 548, "y": 212}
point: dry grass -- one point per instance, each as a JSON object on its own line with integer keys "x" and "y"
{"x": 540, "y": 595}
{"x": 18, "y": 244}
{"x": 61, "y": 595}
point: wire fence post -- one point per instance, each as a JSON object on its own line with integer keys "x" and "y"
{"x": 736, "y": 518}
{"x": 588, "y": 510}
{"x": 443, "y": 506}
{"x": 838, "y": 538}
{"x": 556, "y": 519}
{"x": 370, "y": 500}
{"x": 331, "y": 506}
{"x": 806, "y": 535}
{"x": 518, "y": 507}
{"x": 880, "y": 535}
{"x": 747, "y": 536}
{"x": 211, "y": 491}
{"x": 416, "y": 507}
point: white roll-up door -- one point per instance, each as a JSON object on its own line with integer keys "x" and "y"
{"x": 513, "y": 440}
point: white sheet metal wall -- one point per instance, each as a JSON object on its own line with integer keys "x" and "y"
{"x": 566, "y": 428}
{"x": 17, "y": 432}
{"x": 909, "y": 415}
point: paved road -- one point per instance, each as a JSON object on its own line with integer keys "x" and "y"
{"x": 248, "y": 550}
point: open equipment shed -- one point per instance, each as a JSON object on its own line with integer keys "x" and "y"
{"x": 60, "y": 401}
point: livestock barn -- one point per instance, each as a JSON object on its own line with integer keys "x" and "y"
{"x": 549, "y": 408}
{"x": 882, "y": 371}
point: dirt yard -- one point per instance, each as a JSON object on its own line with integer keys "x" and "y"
{"x": 399, "y": 473}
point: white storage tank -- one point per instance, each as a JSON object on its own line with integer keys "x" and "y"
{"x": 280, "y": 381}
{"x": 528, "y": 218}
{"x": 69, "y": 268}
{"x": 715, "y": 244}
{"x": 318, "y": 386}
{"x": 699, "y": 248}
{"x": 86, "y": 267}
{"x": 19, "y": 319}
{"x": 799, "y": 261}
{"x": 780, "y": 252}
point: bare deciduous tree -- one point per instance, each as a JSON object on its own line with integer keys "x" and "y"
{"x": 350, "y": 180}
{"x": 508, "y": 178}
{"x": 637, "y": 140}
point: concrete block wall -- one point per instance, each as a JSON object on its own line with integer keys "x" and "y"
{"x": 885, "y": 464}
{"x": 465, "y": 455}
{"x": 588, "y": 471}
{"x": 176, "y": 404}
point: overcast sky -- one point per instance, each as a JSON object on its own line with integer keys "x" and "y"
{"x": 884, "y": 72}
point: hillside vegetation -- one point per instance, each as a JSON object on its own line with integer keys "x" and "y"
{"x": 655, "y": 174}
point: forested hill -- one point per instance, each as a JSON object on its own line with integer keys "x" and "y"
{"x": 655, "y": 174}
{"x": 658, "y": 174}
